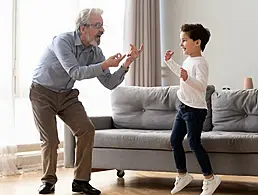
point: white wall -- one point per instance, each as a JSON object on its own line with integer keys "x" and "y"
{"x": 232, "y": 52}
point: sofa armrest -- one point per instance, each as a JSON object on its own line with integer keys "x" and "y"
{"x": 102, "y": 122}
{"x": 69, "y": 147}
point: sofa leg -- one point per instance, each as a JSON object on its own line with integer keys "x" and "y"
{"x": 69, "y": 148}
{"x": 120, "y": 173}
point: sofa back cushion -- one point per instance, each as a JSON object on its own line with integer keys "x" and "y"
{"x": 235, "y": 110}
{"x": 149, "y": 107}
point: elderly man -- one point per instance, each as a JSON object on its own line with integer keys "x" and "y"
{"x": 72, "y": 56}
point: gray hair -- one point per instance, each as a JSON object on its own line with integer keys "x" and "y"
{"x": 84, "y": 15}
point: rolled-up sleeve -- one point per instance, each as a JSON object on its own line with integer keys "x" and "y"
{"x": 109, "y": 80}
{"x": 63, "y": 51}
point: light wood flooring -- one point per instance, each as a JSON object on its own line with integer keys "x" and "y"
{"x": 133, "y": 183}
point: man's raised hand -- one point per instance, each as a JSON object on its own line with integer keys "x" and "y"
{"x": 133, "y": 54}
{"x": 113, "y": 61}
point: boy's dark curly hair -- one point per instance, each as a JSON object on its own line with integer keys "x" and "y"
{"x": 197, "y": 31}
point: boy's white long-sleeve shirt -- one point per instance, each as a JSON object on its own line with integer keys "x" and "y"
{"x": 192, "y": 92}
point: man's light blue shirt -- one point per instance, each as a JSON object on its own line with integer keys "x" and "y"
{"x": 66, "y": 60}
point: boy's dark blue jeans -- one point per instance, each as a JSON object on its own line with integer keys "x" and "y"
{"x": 189, "y": 121}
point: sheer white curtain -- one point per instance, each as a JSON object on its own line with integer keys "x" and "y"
{"x": 7, "y": 134}
{"x": 37, "y": 22}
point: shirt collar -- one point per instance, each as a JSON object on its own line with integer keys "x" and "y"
{"x": 78, "y": 42}
{"x": 77, "y": 39}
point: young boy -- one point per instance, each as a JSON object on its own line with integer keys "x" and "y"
{"x": 189, "y": 120}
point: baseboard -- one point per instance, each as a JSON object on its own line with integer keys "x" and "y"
{"x": 29, "y": 156}
{"x": 33, "y": 147}
{"x": 32, "y": 159}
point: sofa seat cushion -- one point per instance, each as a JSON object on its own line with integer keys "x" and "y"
{"x": 230, "y": 142}
{"x": 213, "y": 141}
{"x": 133, "y": 139}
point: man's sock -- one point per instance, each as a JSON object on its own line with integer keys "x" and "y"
{"x": 79, "y": 181}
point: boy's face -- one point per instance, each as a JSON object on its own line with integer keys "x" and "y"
{"x": 189, "y": 46}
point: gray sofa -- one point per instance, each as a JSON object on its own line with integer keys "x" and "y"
{"x": 136, "y": 136}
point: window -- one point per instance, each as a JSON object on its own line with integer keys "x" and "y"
{"x": 6, "y": 82}
{"x": 36, "y": 24}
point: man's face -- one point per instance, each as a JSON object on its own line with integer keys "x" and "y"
{"x": 93, "y": 31}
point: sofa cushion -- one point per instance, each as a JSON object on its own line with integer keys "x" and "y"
{"x": 149, "y": 107}
{"x": 132, "y": 139}
{"x": 230, "y": 142}
{"x": 213, "y": 141}
{"x": 207, "y": 125}
{"x": 144, "y": 107}
{"x": 235, "y": 110}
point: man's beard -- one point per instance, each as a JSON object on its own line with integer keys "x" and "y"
{"x": 95, "y": 42}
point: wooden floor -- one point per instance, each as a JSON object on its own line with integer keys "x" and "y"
{"x": 133, "y": 183}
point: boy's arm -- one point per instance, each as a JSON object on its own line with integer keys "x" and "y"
{"x": 200, "y": 81}
{"x": 173, "y": 66}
